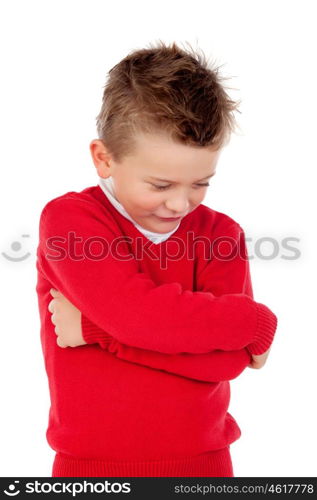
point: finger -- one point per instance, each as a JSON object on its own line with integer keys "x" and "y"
{"x": 57, "y": 330}
{"x": 60, "y": 343}
{"x": 51, "y": 306}
{"x": 54, "y": 292}
{"x": 53, "y": 319}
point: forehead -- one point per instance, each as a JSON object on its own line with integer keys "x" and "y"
{"x": 157, "y": 155}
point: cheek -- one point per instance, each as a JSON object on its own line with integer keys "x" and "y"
{"x": 196, "y": 197}
{"x": 148, "y": 201}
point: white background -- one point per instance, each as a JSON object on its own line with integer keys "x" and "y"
{"x": 54, "y": 59}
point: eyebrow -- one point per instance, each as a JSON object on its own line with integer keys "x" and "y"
{"x": 172, "y": 182}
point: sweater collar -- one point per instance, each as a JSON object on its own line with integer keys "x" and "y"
{"x": 107, "y": 187}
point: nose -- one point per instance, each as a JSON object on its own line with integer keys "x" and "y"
{"x": 177, "y": 205}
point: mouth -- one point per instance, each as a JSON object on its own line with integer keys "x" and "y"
{"x": 166, "y": 219}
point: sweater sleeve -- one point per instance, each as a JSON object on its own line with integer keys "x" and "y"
{"x": 228, "y": 275}
{"x": 125, "y": 303}
{"x": 229, "y": 272}
{"x": 214, "y": 366}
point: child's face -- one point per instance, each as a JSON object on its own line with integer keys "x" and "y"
{"x": 136, "y": 179}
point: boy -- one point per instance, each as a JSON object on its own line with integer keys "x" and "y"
{"x": 153, "y": 310}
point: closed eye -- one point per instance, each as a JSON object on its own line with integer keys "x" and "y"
{"x": 165, "y": 187}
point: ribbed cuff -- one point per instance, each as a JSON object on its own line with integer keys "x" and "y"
{"x": 92, "y": 334}
{"x": 266, "y": 327}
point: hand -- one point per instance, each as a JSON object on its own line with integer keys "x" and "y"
{"x": 259, "y": 360}
{"x": 67, "y": 320}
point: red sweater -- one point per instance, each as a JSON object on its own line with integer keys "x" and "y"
{"x": 167, "y": 326}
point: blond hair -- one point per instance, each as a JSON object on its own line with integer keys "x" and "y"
{"x": 167, "y": 90}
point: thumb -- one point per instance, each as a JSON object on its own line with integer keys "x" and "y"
{"x": 54, "y": 292}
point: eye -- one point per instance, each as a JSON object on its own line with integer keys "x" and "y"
{"x": 160, "y": 188}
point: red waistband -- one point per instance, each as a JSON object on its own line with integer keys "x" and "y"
{"x": 216, "y": 463}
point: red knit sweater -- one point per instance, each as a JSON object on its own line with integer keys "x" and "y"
{"x": 167, "y": 326}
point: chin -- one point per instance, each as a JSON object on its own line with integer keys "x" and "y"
{"x": 160, "y": 226}
{"x": 161, "y": 231}
{"x": 169, "y": 226}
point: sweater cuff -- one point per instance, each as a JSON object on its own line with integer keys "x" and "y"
{"x": 92, "y": 334}
{"x": 266, "y": 327}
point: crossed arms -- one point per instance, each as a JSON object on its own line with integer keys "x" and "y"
{"x": 193, "y": 334}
